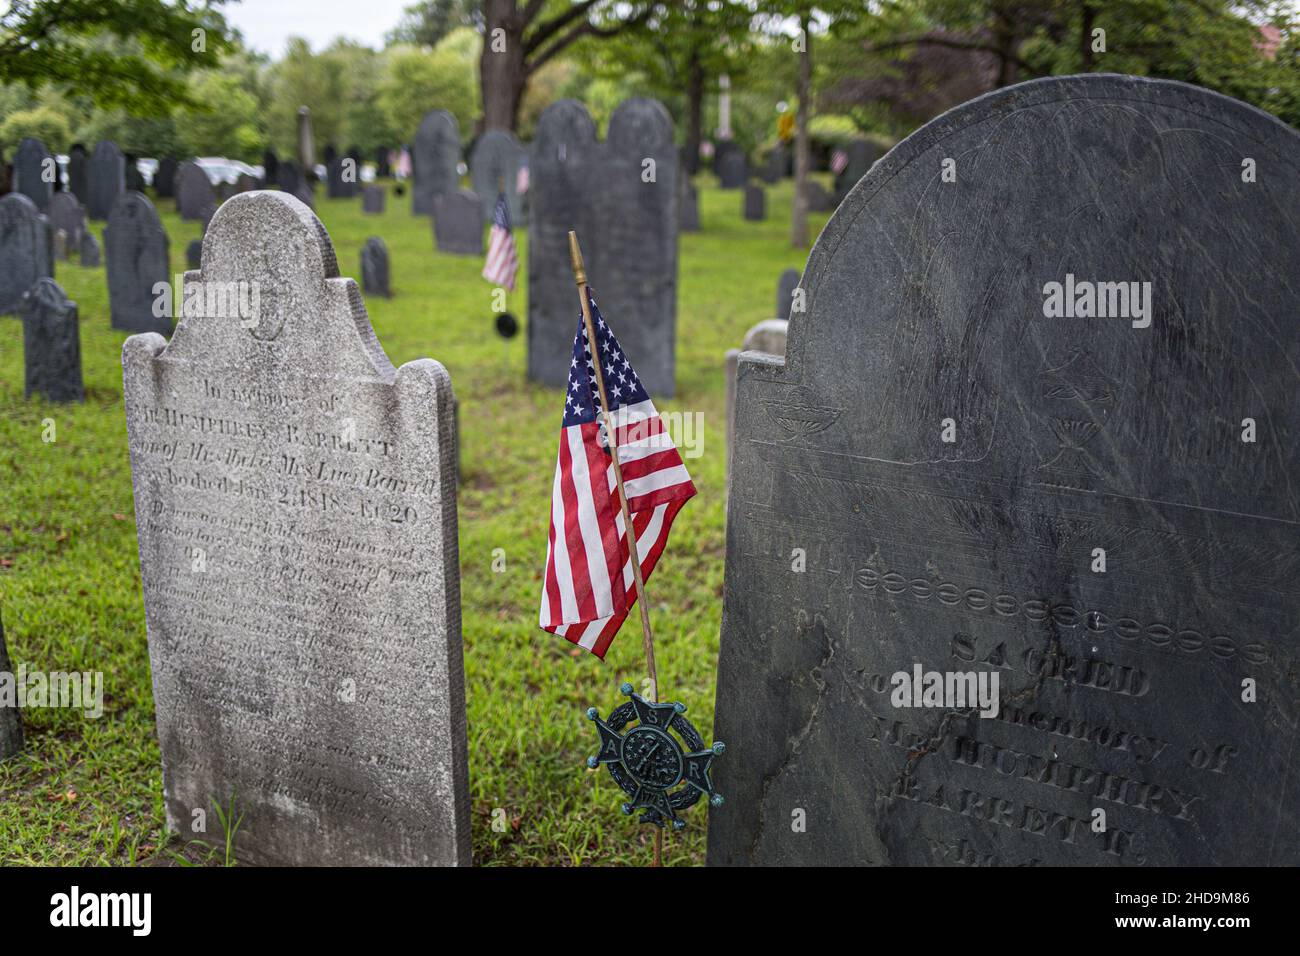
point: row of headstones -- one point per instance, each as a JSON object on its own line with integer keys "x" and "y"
{"x": 858, "y": 544}
{"x": 95, "y": 180}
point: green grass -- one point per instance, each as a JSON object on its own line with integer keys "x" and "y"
{"x": 90, "y": 791}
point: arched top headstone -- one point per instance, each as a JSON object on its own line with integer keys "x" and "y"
{"x": 194, "y": 192}
{"x": 1038, "y": 423}
{"x": 26, "y": 248}
{"x": 639, "y": 124}
{"x": 105, "y": 178}
{"x": 434, "y": 157}
{"x": 34, "y": 172}
{"x": 563, "y": 126}
{"x": 494, "y": 167}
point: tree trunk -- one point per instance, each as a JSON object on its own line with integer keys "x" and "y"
{"x": 799, "y": 221}
{"x": 1086, "y": 21}
{"x": 694, "y": 112}
{"x": 502, "y": 73}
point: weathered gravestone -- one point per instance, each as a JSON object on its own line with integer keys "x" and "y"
{"x": 688, "y": 207}
{"x": 627, "y": 228}
{"x": 194, "y": 192}
{"x": 775, "y": 165}
{"x": 26, "y": 249}
{"x": 731, "y": 165}
{"x": 164, "y": 178}
{"x": 374, "y": 268}
{"x": 270, "y": 168}
{"x": 818, "y": 199}
{"x": 288, "y": 455}
{"x": 34, "y": 172}
{"x": 105, "y": 179}
{"x": 51, "y": 343}
{"x": 755, "y": 205}
{"x": 135, "y": 252}
{"x": 194, "y": 254}
{"x": 1113, "y": 436}
{"x": 861, "y": 154}
{"x": 68, "y": 215}
{"x": 768, "y": 337}
{"x": 288, "y": 178}
{"x": 11, "y": 722}
{"x": 341, "y": 177}
{"x": 434, "y": 157}
{"x": 78, "y": 183}
{"x": 88, "y": 250}
{"x": 458, "y": 223}
{"x": 493, "y": 166}
{"x": 372, "y": 200}
{"x": 383, "y": 168}
{"x": 785, "y": 287}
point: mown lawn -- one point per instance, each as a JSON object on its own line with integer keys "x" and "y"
{"x": 89, "y": 791}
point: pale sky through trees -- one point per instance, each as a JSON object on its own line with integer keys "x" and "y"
{"x": 267, "y": 25}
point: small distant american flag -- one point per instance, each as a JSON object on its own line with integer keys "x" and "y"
{"x": 502, "y": 259}
{"x": 839, "y": 159}
{"x": 588, "y": 588}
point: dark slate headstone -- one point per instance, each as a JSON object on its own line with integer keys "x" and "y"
{"x": 331, "y": 153}
{"x": 135, "y": 251}
{"x": 51, "y": 343}
{"x": 270, "y": 168}
{"x": 306, "y": 194}
{"x": 11, "y": 722}
{"x": 688, "y": 206}
{"x": 341, "y": 177}
{"x": 731, "y": 165}
{"x": 819, "y": 200}
{"x": 493, "y": 165}
{"x": 68, "y": 215}
{"x": 434, "y": 157}
{"x": 78, "y": 182}
{"x": 88, "y": 250}
{"x": 194, "y": 192}
{"x": 861, "y": 154}
{"x": 134, "y": 178}
{"x": 627, "y": 228}
{"x": 26, "y": 249}
{"x": 330, "y": 706}
{"x": 374, "y": 268}
{"x": 458, "y": 225}
{"x": 1157, "y": 687}
{"x": 785, "y": 287}
{"x": 105, "y": 179}
{"x": 164, "y": 178}
{"x": 372, "y": 199}
{"x": 383, "y": 168}
{"x": 755, "y": 205}
{"x": 288, "y": 178}
{"x": 34, "y": 172}
{"x": 776, "y": 164}
{"x": 194, "y": 254}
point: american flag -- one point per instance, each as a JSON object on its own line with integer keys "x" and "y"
{"x": 588, "y": 588}
{"x": 502, "y": 260}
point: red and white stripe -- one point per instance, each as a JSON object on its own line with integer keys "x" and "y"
{"x": 502, "y": 260}
{"x": 588, "y": 588}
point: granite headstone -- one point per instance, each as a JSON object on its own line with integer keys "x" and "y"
{"x": 1011, "y": 537}
{"x": 372, "y": 199}
{"x": 434, "y": 157}
{"x": 194, "y": 192}
{"x": 627, "y": 227}
{"x": 493, "y": 165}
{"x": 458, "y": 225}
{"x": 34, "y": 172}
{"x": 105, "y": 179}
{"x": 374, "y": 268}
{"x": 135, "y": 255}
{"x": 51, "y": 343}
{"x": 26, "y": 249}
{"x": 330, "y": 707}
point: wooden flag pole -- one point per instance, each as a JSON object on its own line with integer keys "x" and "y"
{"x": 647, "y": 638}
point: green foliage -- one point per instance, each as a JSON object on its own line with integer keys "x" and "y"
{"x": 428, "y": 22}
{"x": 415, "y": 81}
{"x": 43, "y": 123}
{"x": 129, "y": 53}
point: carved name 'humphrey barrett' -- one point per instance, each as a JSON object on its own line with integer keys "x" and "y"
{"x": 945, "y": 477}
{"x": 621, "y": 197}
{"x": 295, "y": 501}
